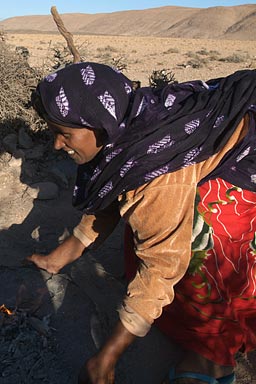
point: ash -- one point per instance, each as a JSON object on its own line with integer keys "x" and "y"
{"x": 28, "y": 350}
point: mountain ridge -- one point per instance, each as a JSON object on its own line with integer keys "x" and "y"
{"x": 234, "y": 23}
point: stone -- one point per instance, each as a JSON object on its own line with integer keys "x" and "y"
{"x": 10, "y": 142}
{"x": 15, "y": 162}
{"x": 45, "y": 190}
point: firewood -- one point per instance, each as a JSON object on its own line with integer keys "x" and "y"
{"x": 66, "y": 34}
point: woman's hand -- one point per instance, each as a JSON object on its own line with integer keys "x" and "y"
{"x": 70, "y": 250}
{"x": 100, "y": 368}
{"x": 97, "y": 371}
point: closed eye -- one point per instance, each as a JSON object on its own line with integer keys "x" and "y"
{"x": 66, "y": 135}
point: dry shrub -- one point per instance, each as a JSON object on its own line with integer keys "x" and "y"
{"x": 196, "y": 60}
{"x": 160, "y": 78}
{"x": 235, "y": 58}
{"x": 59, "y": 56}
{"x": 16, "y": 83}
{"x": 171, "y": 50}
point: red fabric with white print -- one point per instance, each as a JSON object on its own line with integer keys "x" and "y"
{"x": 214, "y": 311}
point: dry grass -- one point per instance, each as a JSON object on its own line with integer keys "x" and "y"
{"x": 143, "y": 55}
{"x": 17, "y": 80}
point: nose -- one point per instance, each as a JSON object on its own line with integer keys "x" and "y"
{"x": 59, "y": 142}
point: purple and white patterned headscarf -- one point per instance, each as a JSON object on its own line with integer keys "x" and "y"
{"x": 149, "y": 132}
{"x": 80, "y": 95}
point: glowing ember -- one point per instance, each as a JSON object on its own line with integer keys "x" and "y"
{"x": 5, "y": 310}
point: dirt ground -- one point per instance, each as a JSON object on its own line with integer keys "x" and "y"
{"x": 82, "y": 299}
{"x": 36, "y": 214}
{"x": 186, "y": 58}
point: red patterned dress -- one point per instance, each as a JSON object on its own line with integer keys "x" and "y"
{"x": 214, "y": 310}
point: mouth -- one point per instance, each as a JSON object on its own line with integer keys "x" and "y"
{"x": 71, "y": 152}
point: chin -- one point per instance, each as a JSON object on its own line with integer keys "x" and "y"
{"x": 80, "y": 161}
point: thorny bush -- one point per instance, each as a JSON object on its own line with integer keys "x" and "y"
{"x": 160, "y": 78}
{"x": 17, "y": 81}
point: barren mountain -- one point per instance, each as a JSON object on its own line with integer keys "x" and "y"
{"x": 236, "y": 23}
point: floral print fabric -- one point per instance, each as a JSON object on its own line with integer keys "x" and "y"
{"x": 214, "y": 309}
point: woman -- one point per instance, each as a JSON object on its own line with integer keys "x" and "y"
{"x": 153, "y": 157}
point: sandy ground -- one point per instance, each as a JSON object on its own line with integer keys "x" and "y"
{"x": 84, "y": 297}
{"x": 142, "y": 55}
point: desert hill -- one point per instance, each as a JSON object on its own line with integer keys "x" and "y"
{"x": 235, "y": 23}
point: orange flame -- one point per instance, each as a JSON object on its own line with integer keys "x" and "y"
{"x": 5, "y": 310}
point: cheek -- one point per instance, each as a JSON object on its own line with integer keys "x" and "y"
{"x": 85, "y": 145}
{"x": 76, "y": 144}
{"x": 83, "y": 150}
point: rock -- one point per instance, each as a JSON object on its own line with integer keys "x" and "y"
{"x": 19, "y": 154}
{"x": 35, "y": 234}
{"x": 10, "y": 142}
{"x": 23, "y": 51}
{"x": 24, "y": 139}
{"x": 15, "y": 162}
{"x": 5, "y": 157}
{"x": 28, "y": 171}
{"x": 43, "y": 190}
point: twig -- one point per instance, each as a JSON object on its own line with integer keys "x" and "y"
{"x": 66, "y": 34}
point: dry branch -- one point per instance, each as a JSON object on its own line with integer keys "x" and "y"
{"x": 66, "y": 34}
{"x": 16, "y": 83}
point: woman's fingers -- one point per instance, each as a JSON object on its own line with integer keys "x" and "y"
{"x": 41, "y": 262}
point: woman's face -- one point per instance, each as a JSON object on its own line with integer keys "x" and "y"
{"x": 81, "y": 144}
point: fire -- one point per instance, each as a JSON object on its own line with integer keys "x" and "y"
{"x": 5, "y": 310}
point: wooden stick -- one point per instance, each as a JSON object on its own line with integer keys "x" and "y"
{"x": 66, "y": 34}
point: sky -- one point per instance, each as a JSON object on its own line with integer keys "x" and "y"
{"x": 11, "y": 8}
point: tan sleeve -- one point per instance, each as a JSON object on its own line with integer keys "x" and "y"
{"x": 132, "y": 321}
{"x": 161, "y": 216}
{"x": 94, "y": 229}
